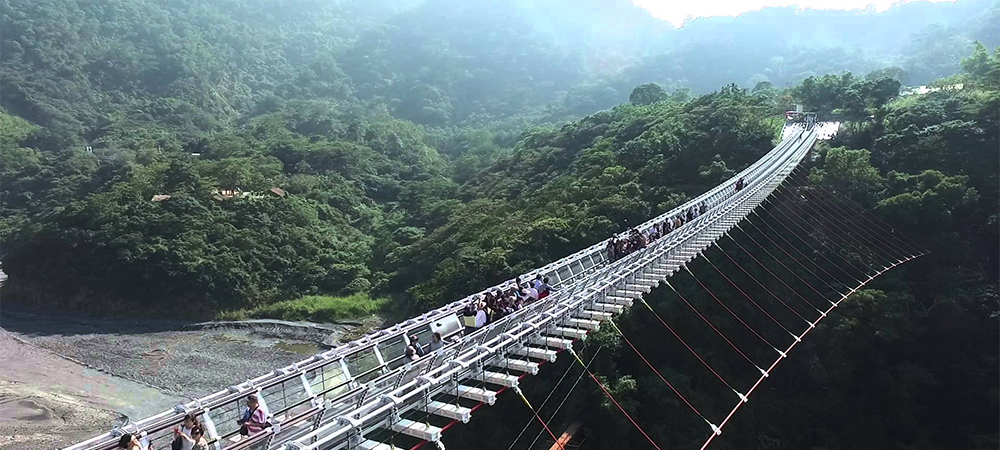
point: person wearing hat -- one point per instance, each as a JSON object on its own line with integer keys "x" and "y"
{"x": 254, "y": 418}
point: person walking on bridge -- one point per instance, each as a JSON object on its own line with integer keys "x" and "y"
{"x": 182, "y": 434}
{"x": 436, "y": 342}
{"x": 545, "y": 289}
{"x": 130, "y": 441}
{"x": 481, "y": 317}
{"x": 198, "y": 436}
{"x": 195, "y": 438}
{"x": 415, "y": 342}
{"x": 254, "y": 418}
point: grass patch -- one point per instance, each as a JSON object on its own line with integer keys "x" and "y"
{"x": 314, "y": 308}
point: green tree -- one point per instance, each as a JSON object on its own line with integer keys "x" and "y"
{"x": 982, "y": 67}
{"x": 849, "y": 172}
{"x": 645, "y": 94}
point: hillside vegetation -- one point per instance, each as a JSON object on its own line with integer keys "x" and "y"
{"x": 324, "y": 160}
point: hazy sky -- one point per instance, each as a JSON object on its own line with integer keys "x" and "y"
{"x": 675, "y": 11}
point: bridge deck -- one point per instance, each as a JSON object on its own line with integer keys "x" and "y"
{"x": 366, "y": 385}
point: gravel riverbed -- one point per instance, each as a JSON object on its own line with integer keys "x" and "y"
{"x": 64, "y": 379}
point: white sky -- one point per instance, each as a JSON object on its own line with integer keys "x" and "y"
{"x": 675, "y": 11}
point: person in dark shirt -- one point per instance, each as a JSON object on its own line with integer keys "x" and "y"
{"x": 415, "y": 342}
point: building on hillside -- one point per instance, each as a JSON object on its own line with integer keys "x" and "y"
{"x": 223, "y": 194}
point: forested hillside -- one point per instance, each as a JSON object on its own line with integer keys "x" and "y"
{"x": 394, "y": 130}
{"x": 234, "y": 155}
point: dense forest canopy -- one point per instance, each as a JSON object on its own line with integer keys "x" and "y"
{"x": 238, "y": 154}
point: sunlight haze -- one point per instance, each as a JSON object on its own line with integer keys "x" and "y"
{"x": 677, "y": 12}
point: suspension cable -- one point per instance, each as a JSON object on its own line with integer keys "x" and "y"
{"x": 773, "y": 275}
{"x": 693, "y": 352}
{"x": 789, "y": 269}
{"x": 547, "y": 397}
{"x": 731, "y": 344}
{"x": 803, "y": 240}
{"x": 612, "y": 398}
{"x": 858, "y": 229}
{"x": 740, "y": 319}
{"x": 657, "y": 372}
{"x": 864, "y": 271}
{"x": 747, "y": 296}
{"x": 851, "y": 234}
{"x": 825, "y": 202}
{"x": 535, "y": 413}
{"x": 560, "y": 405}
{"x": 790, "y": 347}
{"x": 821, "y": 220}
{"x": 888, "y": 229}
{"x": 807, "y": 258}
{"x": 787, "y": 306}
{"x": 832, "y": 208}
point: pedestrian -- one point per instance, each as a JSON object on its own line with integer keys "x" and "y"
{"x": 195, "y": 439}
{"x": 415, "y": 342}
{"x": 129, "y": 441}
{"x": 198, "y": 438}
{"x": 182, "y": 432}
{"x": 436, "y": 342}
{"x": 254, "y": 418}
{"x": 481, "y": 317}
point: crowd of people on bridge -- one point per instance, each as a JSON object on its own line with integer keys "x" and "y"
{"x": 622, "y": 245}
{"x": 191, "y": 434}
{"x": 516, "y": 294}
{"x": 502, "y": 301}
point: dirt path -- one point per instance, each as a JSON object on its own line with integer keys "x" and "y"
{"x": 47, "y": 401}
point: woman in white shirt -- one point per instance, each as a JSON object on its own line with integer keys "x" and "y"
{"x": 185, "y": 430}
{"x": 481, "y": 315}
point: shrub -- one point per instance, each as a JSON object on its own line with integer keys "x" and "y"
{"x": 314, "y": 308}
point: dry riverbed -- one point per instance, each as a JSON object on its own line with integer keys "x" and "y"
{"x": 65, "y": 379}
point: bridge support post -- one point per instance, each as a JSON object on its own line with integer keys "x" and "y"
{"x": 213, "y": 433}
{"x": 347, "y": 374}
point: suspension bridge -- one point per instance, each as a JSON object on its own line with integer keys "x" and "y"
{"x": 366, "y": 394}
